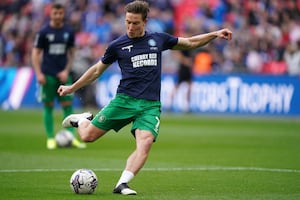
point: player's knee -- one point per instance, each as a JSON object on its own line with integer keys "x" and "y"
{"x": 65, "y": 103}
{"x": 90, "y": 135}
{"x": 87, "y": 136}
{"x": 147, "y": 139}
{"x": 145, "y": 143}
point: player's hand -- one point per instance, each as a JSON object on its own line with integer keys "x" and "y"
{"x": 64, "y": 90}
{"x": 225, "y": 34}
{"x": 41, "y": 79}
{"x": 63, "y": 76}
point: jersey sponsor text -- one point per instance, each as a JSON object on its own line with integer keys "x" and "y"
{"x": 144, "y": 60}
{"x": 57, "y": 49}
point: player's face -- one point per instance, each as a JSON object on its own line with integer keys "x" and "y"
{"x": 135, "y": 25}
{"x": 57, "y": 17}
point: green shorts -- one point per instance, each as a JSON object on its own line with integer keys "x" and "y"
{"x": 48, "y": 91}
{"x": 123, "y": 109}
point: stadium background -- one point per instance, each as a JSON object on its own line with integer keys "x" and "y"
{"x": 256, "y": 73}
{"x": 197, "y": 156}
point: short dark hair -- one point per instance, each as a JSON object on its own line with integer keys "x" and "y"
{"x": 138, "y": 7}
{"x": 57, "y": 6}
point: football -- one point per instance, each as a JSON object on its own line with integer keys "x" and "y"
{"x": 64, "y": 138}
{"x": 83, "y": 181}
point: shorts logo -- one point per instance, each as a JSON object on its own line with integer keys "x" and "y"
{"x": 101, "y": 118}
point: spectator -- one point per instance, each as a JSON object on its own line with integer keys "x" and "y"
{"x": 251, "y": 20}
{"x": 292, "y": 58}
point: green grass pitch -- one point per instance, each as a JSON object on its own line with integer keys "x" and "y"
{"x": 194, "y": 158}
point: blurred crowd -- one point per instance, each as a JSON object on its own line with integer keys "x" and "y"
{"x": 266, "y": 32}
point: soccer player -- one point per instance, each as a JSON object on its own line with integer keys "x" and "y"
{"x": 52, "y": 57}
{"x": 137, "y": 101}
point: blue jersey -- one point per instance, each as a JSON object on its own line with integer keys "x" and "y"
{"x": 140, "y": 63}
{"x": 55, "y": 43}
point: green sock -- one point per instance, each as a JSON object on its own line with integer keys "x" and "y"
{"x": 68, "y": 110}
{"x": 48, "y": 121}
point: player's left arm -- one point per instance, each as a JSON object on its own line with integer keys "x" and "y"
{"x": 187, "y": 43}
{"x": 70, "y": 55}
{"x": 63, "y": 75}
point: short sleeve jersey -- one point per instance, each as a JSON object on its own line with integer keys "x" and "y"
{"x": 55, "y": 43}
{"x": 140, "y": 63}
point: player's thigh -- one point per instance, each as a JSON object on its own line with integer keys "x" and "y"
{"x": 49, "y": 89}
{"x": 149, "y": 120}
{"x": 114, "y": 116}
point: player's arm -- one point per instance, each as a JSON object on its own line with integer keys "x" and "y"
{"x": 36, "y": 56}
{"x": 70, "y": 58}
{"x": 70, "y": 51}
{"x": 63, "y": 75}
{"x": 87, "y": 78}
{"x": 186, "y": 43}
{"x": 70, "y": 55}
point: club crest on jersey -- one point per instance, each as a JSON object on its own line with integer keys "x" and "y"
{"x": 152, "y": 44}
{"x": 66, "y": 36}
{"x": 128, "y": 48}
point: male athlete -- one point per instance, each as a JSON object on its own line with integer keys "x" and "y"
{"x": 137, "y": 101}
{"x": 52, "y": 56}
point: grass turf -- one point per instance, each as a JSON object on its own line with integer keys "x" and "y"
{"x": 195, "y": 157}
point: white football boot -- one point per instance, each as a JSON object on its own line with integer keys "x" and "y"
{"x": 72, "y": 120}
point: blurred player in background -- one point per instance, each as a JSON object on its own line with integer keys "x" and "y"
{"x": 184, "y": 76}
{"x": 52, "y": 57}
{"x": 137, "y": 101}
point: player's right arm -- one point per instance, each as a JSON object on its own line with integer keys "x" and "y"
{"x": 87, "y": 78}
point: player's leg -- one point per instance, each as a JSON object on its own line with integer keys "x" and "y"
{"x": 113, "y": 116}
{"x": 47, "y": 95}
{"x": 89, "y": 132}
{"x": 86, "y": 130}
{"x": 145, "y": 129}
{"x": 49, "y": 124}
{"x": 66, "y": 104}
{"x": 68, "y": 110}
{"x": 135, "y": 161}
